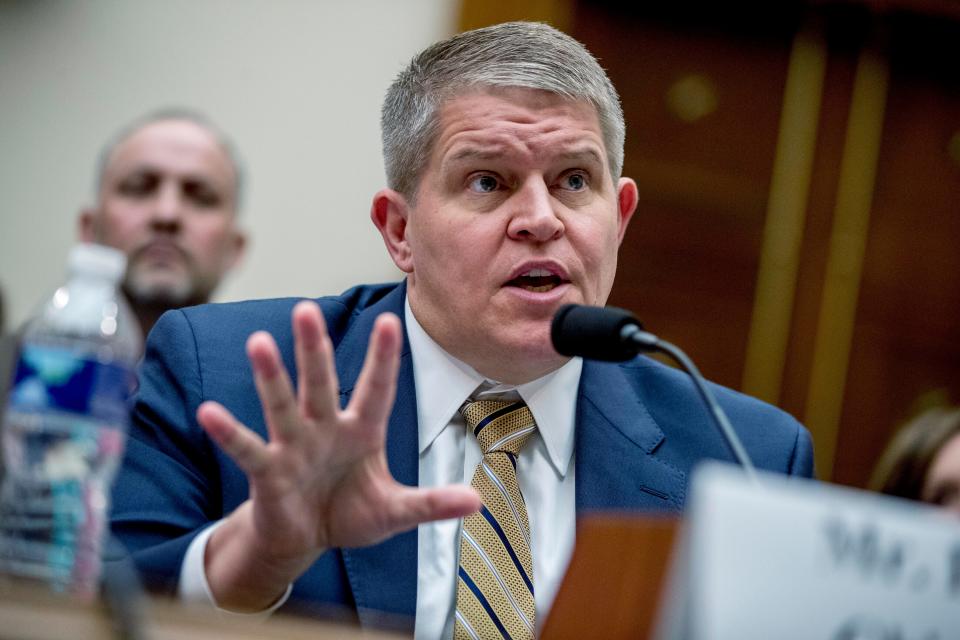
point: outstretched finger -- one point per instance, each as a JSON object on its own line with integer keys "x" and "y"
{"x": 376, "y": 387}
{"x": 273, "y": 387}
{"x": 412, "y": 506}
{"x": 317, "y": 387}
{"x": 243, "y": 446}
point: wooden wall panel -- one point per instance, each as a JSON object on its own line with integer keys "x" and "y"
{"x": 688, "y": 265}
{"x": 906, "y": 348}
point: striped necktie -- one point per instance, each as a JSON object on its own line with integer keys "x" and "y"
{"x": 495, "y": 577}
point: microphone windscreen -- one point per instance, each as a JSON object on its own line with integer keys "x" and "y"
{"x": 593, "y": 332}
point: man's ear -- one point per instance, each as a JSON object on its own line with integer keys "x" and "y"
{"x": 87, "y": 225}
{"x": 626, "y": 205}
{"x": 389, "y": 214}
{"x": 238, "y": 248}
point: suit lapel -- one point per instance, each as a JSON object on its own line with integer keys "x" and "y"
{"x": 617, "y": 465}
{"x": 617, "y": 439}
{"x": 383, "y": 577}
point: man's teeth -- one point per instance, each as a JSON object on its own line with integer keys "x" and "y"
{"x": 537, "y": 273}
{"x": 537, "y": 280}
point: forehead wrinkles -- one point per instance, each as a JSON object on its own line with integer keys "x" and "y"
{"x": 512, "y": 126}
{"x": 537, "y": 140}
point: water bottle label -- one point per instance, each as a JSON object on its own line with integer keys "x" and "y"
{"x": 63, "y": 436}
{"x": 57, "y": 379}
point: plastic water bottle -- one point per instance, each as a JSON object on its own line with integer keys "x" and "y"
{"x": 65, "y": 426}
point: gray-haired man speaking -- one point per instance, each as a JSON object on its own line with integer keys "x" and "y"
{"x": 426, "y": 461}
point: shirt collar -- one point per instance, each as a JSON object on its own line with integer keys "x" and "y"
{"x": 444, "y": 382}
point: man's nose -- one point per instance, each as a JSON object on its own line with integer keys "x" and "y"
{"x": 167, "y": 207}
{"x": 534, "y": 213}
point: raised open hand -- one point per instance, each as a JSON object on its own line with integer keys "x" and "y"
{"x": 322, "y": 479}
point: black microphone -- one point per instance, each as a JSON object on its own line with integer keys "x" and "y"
{"x": 615, "y": 335}
{"x": 599, "y": 333}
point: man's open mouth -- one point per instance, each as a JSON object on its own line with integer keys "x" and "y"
{"x": 536, "y": 280}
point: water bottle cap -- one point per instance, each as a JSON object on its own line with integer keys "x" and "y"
{"x": 98, "y": 260}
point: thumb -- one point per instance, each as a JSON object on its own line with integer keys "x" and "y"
{"x": 414, "y": 506}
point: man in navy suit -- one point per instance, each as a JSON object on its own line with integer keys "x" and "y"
{"x": 342, "y": 484}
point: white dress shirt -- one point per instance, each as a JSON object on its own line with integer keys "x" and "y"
{"x": 545, "y": 471}
{"x": 448, "y": 455}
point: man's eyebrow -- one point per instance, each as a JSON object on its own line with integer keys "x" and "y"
{"x": 188, "y": 176}
{"x": 473, "y": 153}
{"x": 581, "y": 154}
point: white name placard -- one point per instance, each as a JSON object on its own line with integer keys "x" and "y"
{"x": 789, "y": 558}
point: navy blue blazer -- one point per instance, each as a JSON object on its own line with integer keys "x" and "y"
{"x": 640, "y": 428}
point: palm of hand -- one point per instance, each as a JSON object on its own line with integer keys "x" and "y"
{"x": 322, "y": 480}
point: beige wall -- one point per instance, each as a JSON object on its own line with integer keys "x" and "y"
{"x": 297, "y": 83}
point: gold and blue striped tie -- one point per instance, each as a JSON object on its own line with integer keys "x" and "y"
{"x": 495, "y": 577}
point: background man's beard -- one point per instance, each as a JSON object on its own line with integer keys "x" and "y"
{"x": 159, "y": 297}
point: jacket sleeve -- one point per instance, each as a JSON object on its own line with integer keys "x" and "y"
{"x": 167, "y": 487}
{"x": 801, "y": 463}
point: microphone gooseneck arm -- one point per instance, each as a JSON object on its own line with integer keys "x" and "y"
{"x": 615, "y": 335}
{"x": 645, "y": 341}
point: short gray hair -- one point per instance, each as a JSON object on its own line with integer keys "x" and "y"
{"x": 530, "y": 55}
{"x": 164, "y": 115}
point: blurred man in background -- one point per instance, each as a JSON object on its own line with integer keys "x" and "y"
{"x": 168, "y": 190}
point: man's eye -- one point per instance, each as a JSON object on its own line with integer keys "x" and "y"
{"x": 574, "y": 182}
{"x": 484, "y": 184}
{"x": 137, "y": 185}
{"x": 201, "y": 194}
